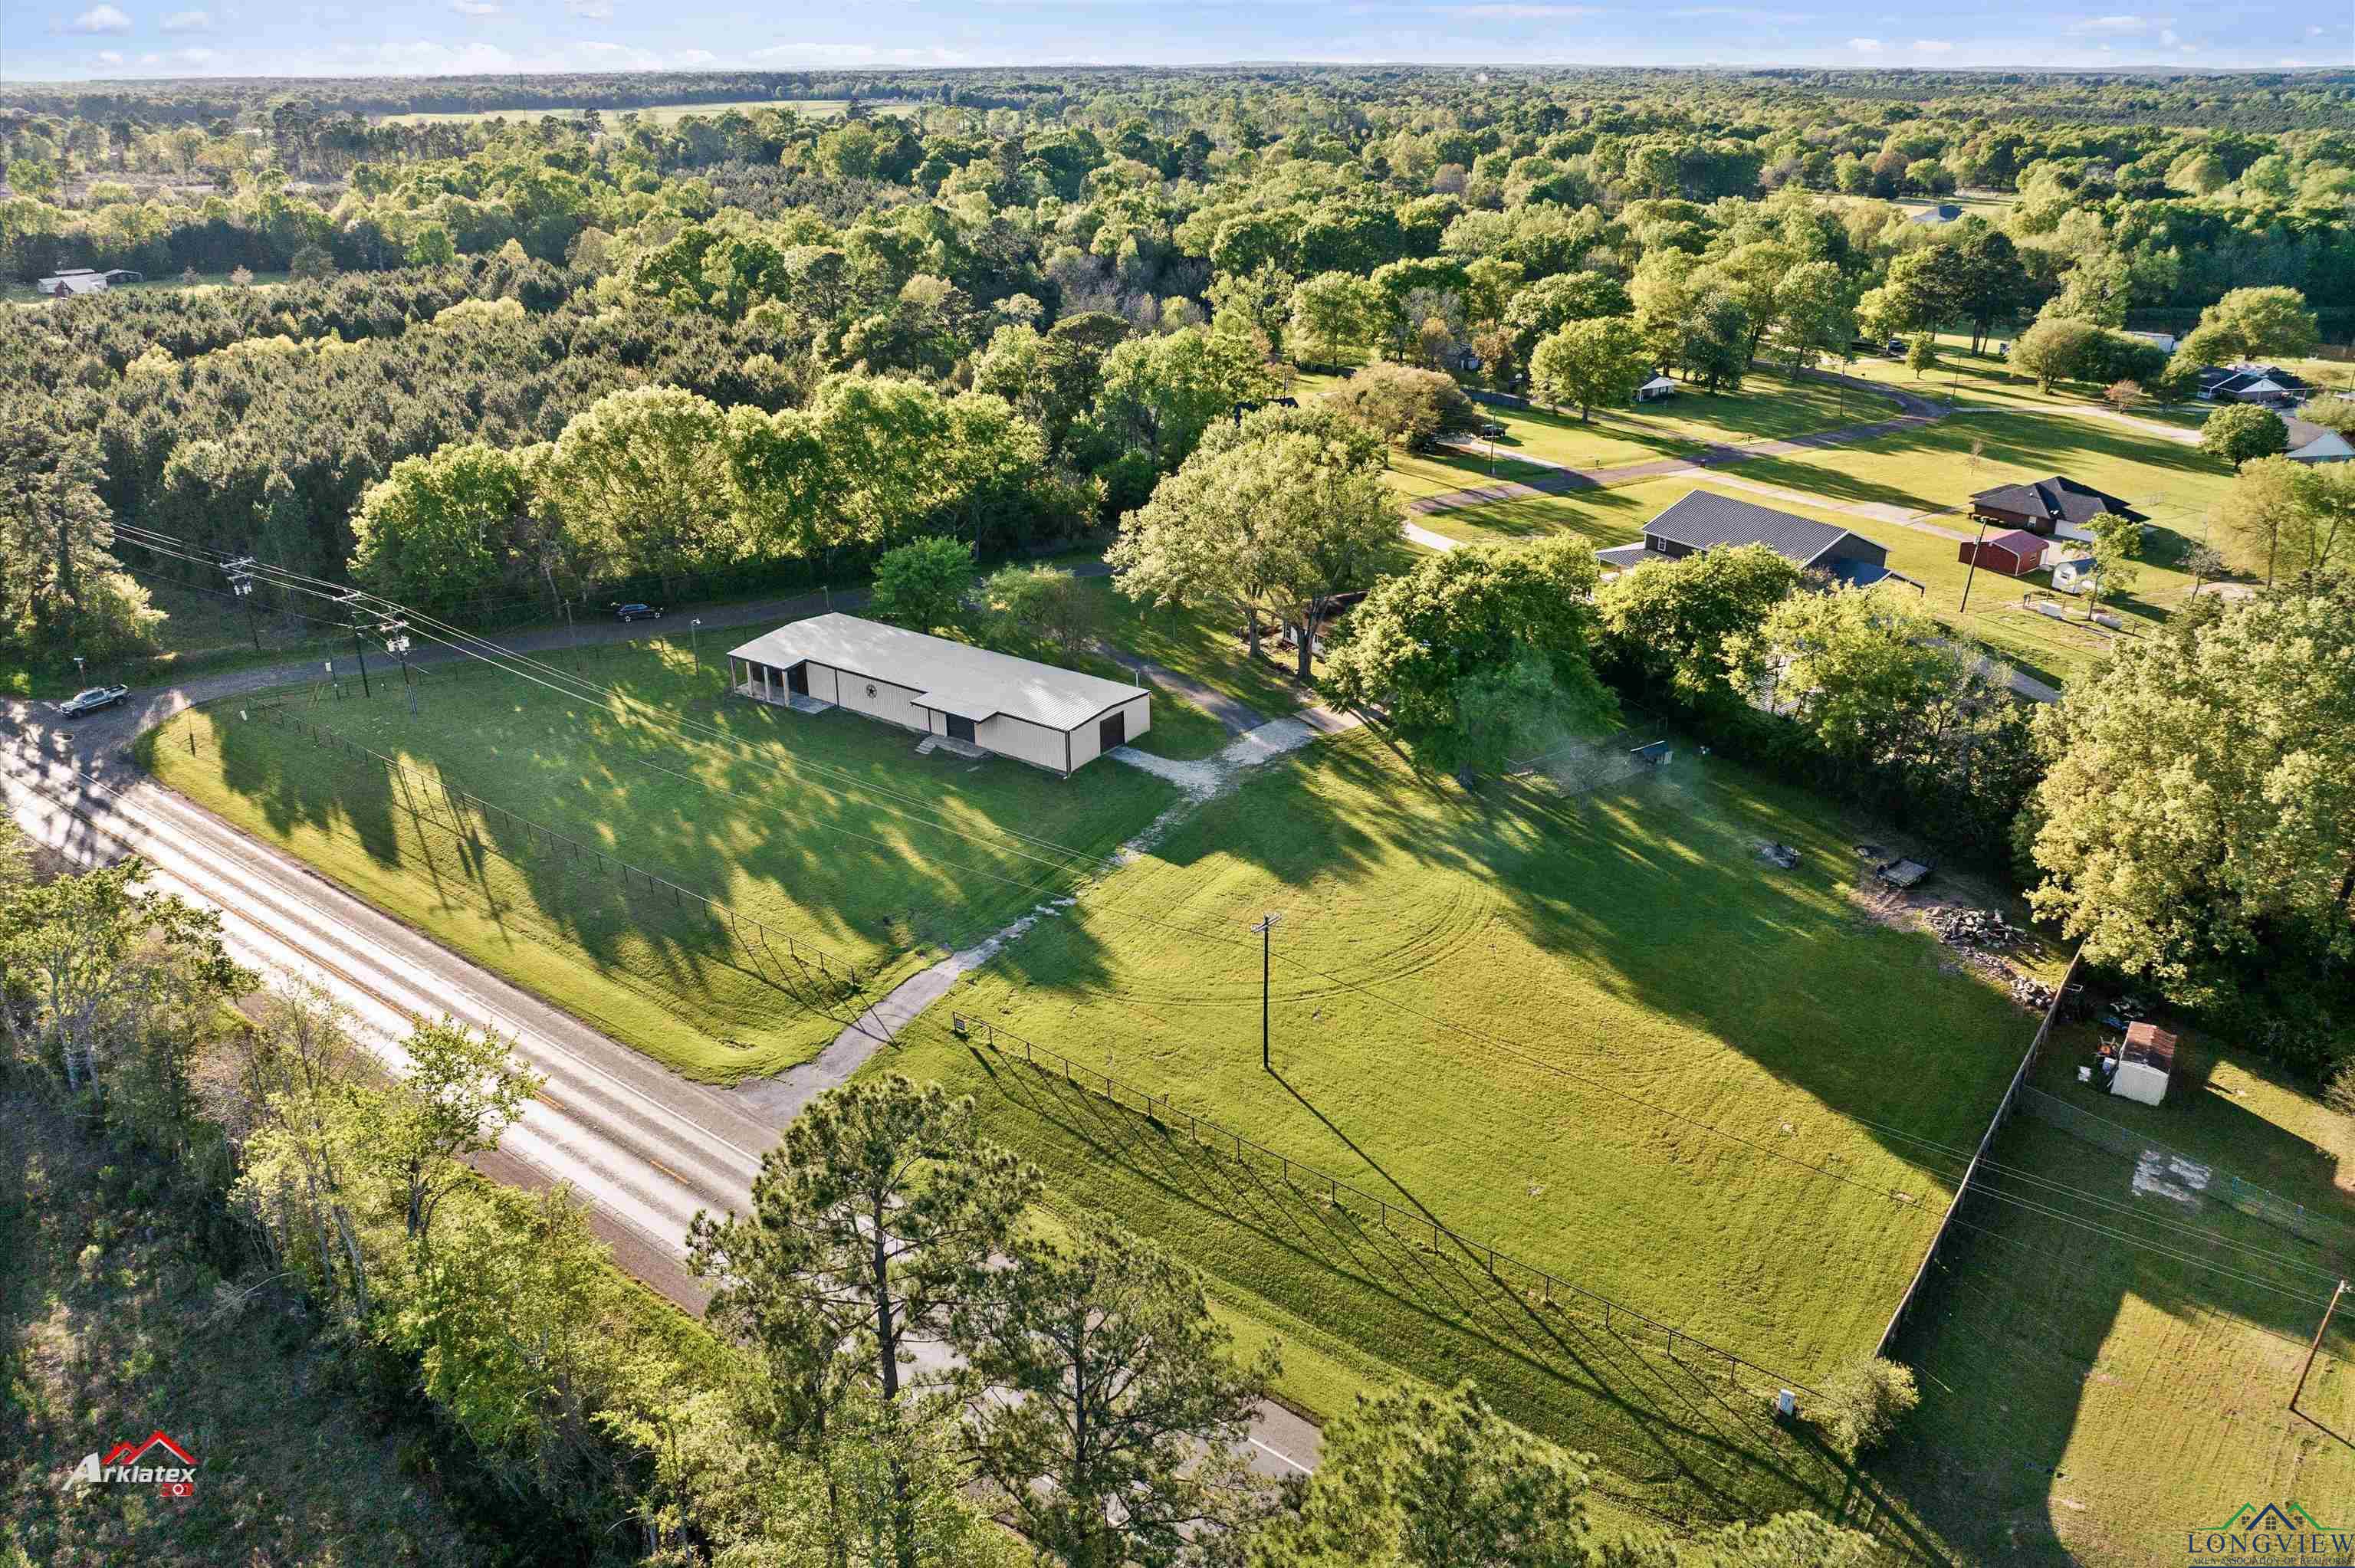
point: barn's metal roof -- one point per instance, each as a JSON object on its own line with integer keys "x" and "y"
{"x": 948, "y": 676}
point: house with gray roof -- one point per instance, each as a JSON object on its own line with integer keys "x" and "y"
{"x": 2310, "y": 442}
{"x": 2267, "y": 385}
{"x": 2057, "y": 506}
{"x": 1703, "y": 521}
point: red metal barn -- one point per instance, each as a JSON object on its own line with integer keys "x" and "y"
{"x": 2014, "y": 554}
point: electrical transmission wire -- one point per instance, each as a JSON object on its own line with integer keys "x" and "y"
{"x": 1068, "y": 862}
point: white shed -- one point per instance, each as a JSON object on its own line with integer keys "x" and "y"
{"x": 973, "y": 700}
{"x": 1657, "y": 387}
{"x": 2075, "y": 574}
{"x": 2145, "y": 1064}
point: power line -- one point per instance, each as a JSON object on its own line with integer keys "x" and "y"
{"x": 522, "y": 666}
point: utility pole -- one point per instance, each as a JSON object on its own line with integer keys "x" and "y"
{"x": 1975, "y": 566}
{"x": 395, "y": 642}
{"x": 1266, "y": 929}
{"x": 240, "y": 583}
{"x": 694, "y": 643}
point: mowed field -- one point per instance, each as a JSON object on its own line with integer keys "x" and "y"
{"x": 1593, "y": 1028}
{"x": 663, "y": 113}
{"x": 1924, "y": 474}
{"x": 2107, "y": 1364}
{"x": 828, "y": 831}
{"x": 1770, "y": 407}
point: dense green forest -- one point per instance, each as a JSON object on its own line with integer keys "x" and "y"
{"x": 1050, "y": 297}
{"x": 500, "y": 366}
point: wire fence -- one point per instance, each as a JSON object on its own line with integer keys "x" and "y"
{"x": 2221, "y": 1186}
{"x": 815, "y": 976}
{"x": 2010, "y": 1102}
{"x": 1407, "y": 1222}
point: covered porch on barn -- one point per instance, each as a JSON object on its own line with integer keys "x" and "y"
{"x": 787, "y": 686}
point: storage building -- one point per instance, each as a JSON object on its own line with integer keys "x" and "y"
{"x": 974, "y": 701}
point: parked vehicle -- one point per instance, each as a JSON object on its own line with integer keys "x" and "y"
{"x": 1895, "y": 348}
{"x": 1492, "y": 430}
{"x": 629, "y": 612}
{"x": 91, "y": 700}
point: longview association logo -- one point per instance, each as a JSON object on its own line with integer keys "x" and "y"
{"x": 128, "y": 1463}
{"x": 2271, "y": 1533}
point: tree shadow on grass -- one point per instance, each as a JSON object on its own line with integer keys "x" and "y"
{"x": 2021, "y": 1323}
{"x": 1681, "y": 1436}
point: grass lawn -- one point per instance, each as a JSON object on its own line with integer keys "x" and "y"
{"x": 1199, "y": 646}
{"x": 1768, "y": 408}
{"x": 1466, "y": 996}
{"x": 2089, "y": 1400}
{"x": 828, "y": 830}
{"x": 2049, "y": 650}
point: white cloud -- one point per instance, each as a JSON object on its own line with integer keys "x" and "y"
{"x": 194, "y": 57}
{"x": 600, "y": 47}
{"x": 829, "y": 54}
{"x": 1512, "y": 12}
{"x": 110, "y": 56}
{"x": 590, "y": 10}
{"x": 2120, "y": 25}
{"x": 98, "y": 19}
{"x": 1932, "y": 46}
{"x": 474, "y": 8}
{"x": 1865, "y": 45}
{"x": 2314, "y": 31}
{"x": 695, "y": 57}
{"x": 2168, "y": 35}
{"x": 188, "y": 22}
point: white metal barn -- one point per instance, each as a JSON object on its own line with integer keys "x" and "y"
{"x": 974, "y": 701}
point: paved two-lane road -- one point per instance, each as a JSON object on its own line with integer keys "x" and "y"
{"x": 644, "y": 1146}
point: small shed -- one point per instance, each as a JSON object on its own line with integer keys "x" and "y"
{"x": 2145, "y": 1064}
{"x": 2075, "y": 574}
{"x": 1657, "y": 387}
{"x": 2015, "y": 552}
{"x": 2310, "y": 442}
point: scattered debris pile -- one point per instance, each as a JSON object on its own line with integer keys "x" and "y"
{"x": 1983, "y": 936}
{"x": 2030, "y": 993}
{"x": 1981, "y": 930}
{"x": 1783, "y": 856}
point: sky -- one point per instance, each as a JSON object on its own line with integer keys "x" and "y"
{"x": 76, "y": 39}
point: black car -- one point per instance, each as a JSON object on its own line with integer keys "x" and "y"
{"x": 626, "y": 613}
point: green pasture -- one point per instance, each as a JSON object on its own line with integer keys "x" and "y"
{"x": 1589, "y": 1025}
{"x": 1770, "y": 407}
{"x": 828, "y": 831}
{"x": 2104, "y": 1368}
{"x": 1926, "y": 474}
